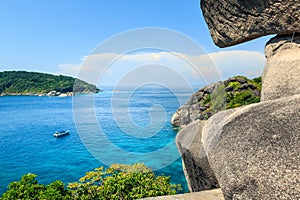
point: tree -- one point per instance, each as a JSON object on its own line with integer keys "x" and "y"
{"x": 28, "y": 188}
{"x": 121, "y": 181}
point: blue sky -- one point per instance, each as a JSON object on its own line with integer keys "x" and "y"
{"x": 55, "y": 35}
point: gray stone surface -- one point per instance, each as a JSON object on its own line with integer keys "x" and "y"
{"x": 281, "y": 75}
{"x": 236, "y": 21}
{"x": 254, "y": 150}
{"x": 193, "y": 109}
{"x": 204, "y": 195}
{"x": 196, "y": 168}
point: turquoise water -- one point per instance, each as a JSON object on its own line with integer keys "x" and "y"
{"x": 27, "y": 125}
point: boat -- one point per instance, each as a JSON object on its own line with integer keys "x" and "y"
{"x": 61, "y": 133}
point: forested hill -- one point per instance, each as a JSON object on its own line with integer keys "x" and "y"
{"x": 34, "y": 83}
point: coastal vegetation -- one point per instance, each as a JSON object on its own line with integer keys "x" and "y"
{"x": 242, "y": 91}
{"x": 119, "y": 181}
{"x": 232, "y": 93}
{"x": 34, "y": 83}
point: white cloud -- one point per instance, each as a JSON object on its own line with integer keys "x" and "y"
{"x": 111, "y": 68}
{"x": 69, "y": 69}
{"x": 247, "y": 63}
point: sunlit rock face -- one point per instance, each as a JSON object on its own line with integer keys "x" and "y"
{"x": 236, "y": 21}
{"x": 252, "y": 151}
{"x": 281, "y": 77}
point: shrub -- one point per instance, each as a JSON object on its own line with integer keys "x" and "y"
{"x": 241, "y": 98}
{"x": 122, "y": 182}
{"x": 116, "y": 182}
{"x": 235, "y": 85}
{"x": 28, "y": 188}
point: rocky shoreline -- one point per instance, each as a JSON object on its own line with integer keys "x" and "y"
{"x": 49, "y": 94}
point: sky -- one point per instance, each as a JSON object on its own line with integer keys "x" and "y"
{"x": 61, "y": 36}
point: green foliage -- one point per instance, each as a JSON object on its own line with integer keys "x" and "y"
{"x": 218, "y": 99}
{"x": 207, "y": 100}
{"x": 257, "y": 82}
{"x": 234, "y": 85}
{"x": 241, "y": 98}
{"x": 22, "y": 82}
{"x": 116, "y": 182}
{"x": 28, "y": 188}
{"x": 238, "y": 91}
{"x": 121, "y": 182}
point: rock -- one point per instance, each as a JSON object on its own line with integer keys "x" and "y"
{"x": 210, "y": 88}
{"x": 236, "y": 21}
{"x": 63, "y": 95}
{"x": 202, "y": 108}
{"x": 175, "y": 120}
{"x": 282, "y": 72}
{"x": 51, "y": 94}
{"x": 254, "y": 150}
{"x": 282, "y": 42}
{"x": 196, "y": 168}
{"x": 245, "y": 86}
{"x": 193, "y": 99}
{"x": 69, "y": 94}
{"x": 229, "y": 89}
{"x": 252, "y": 87}
{"x": 241, "y": 80}
{"x": 199, "y": 106}
{"x": 215, "y": 194}
{"x": 185, "y": 115}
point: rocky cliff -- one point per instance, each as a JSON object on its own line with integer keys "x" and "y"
{"x": 231, "y": 93}
{"x": 252, "y": 152}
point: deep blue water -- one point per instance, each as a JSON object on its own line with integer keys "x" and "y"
{"x": 27, "y": 125}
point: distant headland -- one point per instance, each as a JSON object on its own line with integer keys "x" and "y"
{"x": 23, "y": 83}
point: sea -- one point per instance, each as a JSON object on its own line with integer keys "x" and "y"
{"x": 133, "y": 126}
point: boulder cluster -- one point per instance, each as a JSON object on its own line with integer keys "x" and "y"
{"x": 251, "y": 152}
{"x": 55, "y": 93}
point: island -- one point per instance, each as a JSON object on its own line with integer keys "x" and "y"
{"x": 21, "y": 83}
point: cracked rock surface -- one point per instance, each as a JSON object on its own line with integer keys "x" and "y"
{"x": 236, "y": 21}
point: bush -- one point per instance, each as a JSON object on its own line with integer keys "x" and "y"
{"x": 241, "y": 98}
{"x": 122, "y": 182}
{"x": 234, "y": 85}
{"x": 116, "y": 182}
{"x": 29, "y": 188}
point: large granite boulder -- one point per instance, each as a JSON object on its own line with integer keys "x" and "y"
{"x": 254, "y": 151}
{"x": 282, "y": 72}
{"x": 196, "y": 168}
{"x": 236, "y": 21}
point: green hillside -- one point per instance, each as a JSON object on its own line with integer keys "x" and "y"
{"x": 32, "y": 83}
